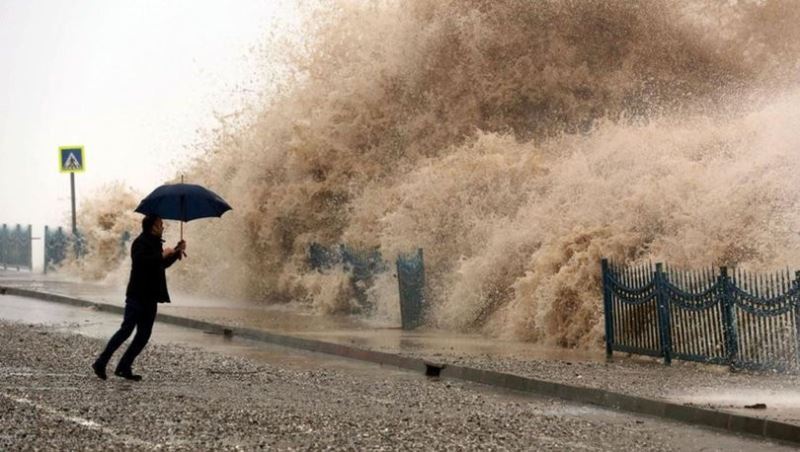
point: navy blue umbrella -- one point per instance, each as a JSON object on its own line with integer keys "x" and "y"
{"x": 184, "y": 202}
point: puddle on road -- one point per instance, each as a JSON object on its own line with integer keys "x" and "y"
{"x": 741, "y": 397}
{"x": 781, "y": 404}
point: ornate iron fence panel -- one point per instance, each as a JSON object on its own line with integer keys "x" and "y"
{"x": 742, "y": 320}
{"x": 630, "y": 294}
{"x": 411, "y": 282}
{"x": 15, "y": 247}
{"x": 765, "y": 313}
{"x": 695, "y": 310}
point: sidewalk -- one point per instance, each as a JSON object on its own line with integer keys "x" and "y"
{"x": 684, "y": 383}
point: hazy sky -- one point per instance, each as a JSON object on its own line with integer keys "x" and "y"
{"x": 133, "y": 81}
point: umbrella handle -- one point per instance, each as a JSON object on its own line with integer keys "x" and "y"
{"x": 183, "y": 253}
{"x": 182, "y": 210}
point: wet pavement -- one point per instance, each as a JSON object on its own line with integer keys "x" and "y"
{"x": 101, "y": 325}
{"x": 300, "y": 321}
{"x": 686, "y": 383}
{"x": 209, "y": 392}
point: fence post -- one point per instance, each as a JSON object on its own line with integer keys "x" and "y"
{"x": 18, "y": 250}
{"x": 4, "y": 241}
{"x": 126, "y": 236}
{"x": 608, "y": 308}
{"x": 46, "y": 245}
{"x": 78, "y": 244}
{"x": 411, "y": 283}
{"x": 30, "y": 247}
{"x": 728, "y": 318}
{"x": 797, "y": 317}
{"x": 663, "y": 314}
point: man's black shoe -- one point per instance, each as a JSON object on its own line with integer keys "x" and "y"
{"x": 99, "y": 370}
{"x": 128, "y": 375}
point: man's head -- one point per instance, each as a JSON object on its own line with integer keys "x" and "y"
{"x": 153, "y": 225}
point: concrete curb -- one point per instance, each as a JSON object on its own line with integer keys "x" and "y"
{"x": 693, "y": 415}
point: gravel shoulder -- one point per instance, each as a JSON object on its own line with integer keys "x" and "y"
{"x": 192, "y": 399}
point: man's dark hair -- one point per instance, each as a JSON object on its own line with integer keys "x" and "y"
{"x": 147, "y": 222}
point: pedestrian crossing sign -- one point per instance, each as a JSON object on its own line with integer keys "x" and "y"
{"x": 71, "y": 159}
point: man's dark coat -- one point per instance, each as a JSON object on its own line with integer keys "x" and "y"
{"x": 148, "y": 282}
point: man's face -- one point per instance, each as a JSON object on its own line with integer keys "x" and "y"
{"x": 158, "y": 227}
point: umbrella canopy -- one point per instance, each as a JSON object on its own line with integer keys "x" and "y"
{"x": 184, "y": 202}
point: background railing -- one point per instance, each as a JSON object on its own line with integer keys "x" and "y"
{"x": 58, "y": 245}
{"x": 56, "y": 242}
{"x": 15, "y": 247}
{"x": 737, "y": 319}
{"x": 364, "y": 266}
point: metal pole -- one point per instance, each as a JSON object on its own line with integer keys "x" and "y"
{"x": 663, "y": 314}
{"x": 72, "y": 189}
{"x": 608, "y": 309}
{"x": 729, "y": 318}
{"x": 29, "y": 249}
{"x": 46, "y": 236}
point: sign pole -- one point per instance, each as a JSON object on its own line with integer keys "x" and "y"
{"x": 72, "y": 189}
{"x": 72, "y": 160}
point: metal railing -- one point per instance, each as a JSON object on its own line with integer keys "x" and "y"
{"x": 365, "y": 265}
{"x": 15, "y": 247}
{"x": 737, "y": 319}
{"x": 362, "y": 265}
{"x": 56, "y": 242}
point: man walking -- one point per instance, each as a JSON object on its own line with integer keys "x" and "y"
{"x": 147, "y": 287}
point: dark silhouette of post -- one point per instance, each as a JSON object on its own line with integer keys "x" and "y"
{"x": 72, "y": 189}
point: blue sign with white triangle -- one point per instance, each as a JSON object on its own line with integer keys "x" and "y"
{"x": 71, "y": 159}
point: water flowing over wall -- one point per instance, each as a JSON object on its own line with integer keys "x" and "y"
{"x": 517, "y": 143}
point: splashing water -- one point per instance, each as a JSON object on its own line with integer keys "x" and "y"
{"x": 517, "y": 142}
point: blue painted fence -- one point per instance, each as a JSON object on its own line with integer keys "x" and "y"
{"x": 365, "y": 265}
{"x": 731, "y": 318}
{"x": 58, "y": 245}
{"x": 15, "y": 247}
{"x": 55, "y": 247}
{"x": 411, "y": 282}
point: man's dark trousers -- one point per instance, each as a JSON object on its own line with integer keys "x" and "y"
{"x": 140, "y": 315}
